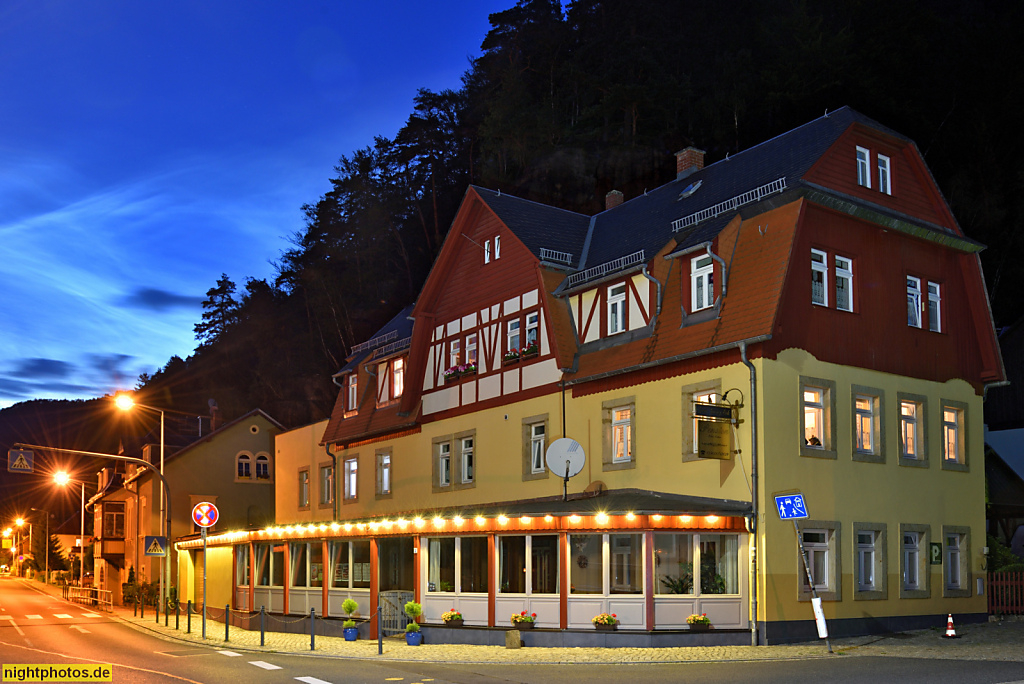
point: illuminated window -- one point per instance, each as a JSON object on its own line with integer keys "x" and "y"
{"x": 814, "y": 416}
{"x": 303, "y": 488}
{"x": 909, "y": 429}
{"x": 864, "y": 426}
{"x": 622, "y": 442}
{"x": 353, "y": 394}
{"x": 326, "y": 485}
{"x": 454, "y": 353}
{"x": 471, "y": 349}
{"x": 398, "y": 378}
{"x": 952, "y": 435}
{"x": 383, "y": 473}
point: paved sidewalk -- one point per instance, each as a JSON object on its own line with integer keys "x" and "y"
{"x": 992, "y": 641}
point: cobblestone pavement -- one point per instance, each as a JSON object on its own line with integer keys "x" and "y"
{"x": 990, "y": 641}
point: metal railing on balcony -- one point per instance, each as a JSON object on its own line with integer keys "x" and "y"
{"x": 375, "y": 342}
{"x": 555, "y": 256}
{"x": 606, "y": 268}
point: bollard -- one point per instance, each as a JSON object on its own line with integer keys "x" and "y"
{"x": 135, "y": 607}
{"x": 177, "y": 615}
{"x": 263, "y": 614}
{"x": 142, "y": 609}
{"x": 188, "y": 617}
{"x": 167, "y": 615}
{"x": 380, "y": 634}
{"x": 157, "y": 610}
{"x": 227, "y": 620}
{"x": 312, "y": 629}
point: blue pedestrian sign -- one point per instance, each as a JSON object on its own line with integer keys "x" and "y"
{"x": 156, "y": 546}
{"x": 791, "y": 506}
{"x": 19, "y": 461}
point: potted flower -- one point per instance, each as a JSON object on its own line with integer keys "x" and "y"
{"x": 413, "y": 636}
{"x": 452, "y": 374}
{"x": 605, "y": 621}
{"x": 523, "y": 620}
{"x": 452, "y": 618}
{"x": 467, "y": 369}
{"x": 529, "y": 350}
{"x": 511, "y": 356}
{"x": 699, "y": 622}
{"x": 350, "y": 630}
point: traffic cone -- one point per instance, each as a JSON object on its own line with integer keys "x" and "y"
{"x": 950, "y": 632}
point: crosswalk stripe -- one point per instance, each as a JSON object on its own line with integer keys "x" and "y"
{"x": 91, "y": 615}
{"x": 62, "y": 616}
{"x": 229, "y": 653}
{"x": 264, "y": 665}
{"x": 34, "y": 617}
{"x": 312, "y": 680}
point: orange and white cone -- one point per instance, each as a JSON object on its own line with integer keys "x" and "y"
{"x": 950, "y": 632}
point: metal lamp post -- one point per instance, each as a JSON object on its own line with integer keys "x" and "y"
{"x": 63, "y": 479}
{"x": 46, "y": 577}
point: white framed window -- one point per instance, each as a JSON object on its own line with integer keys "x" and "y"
{"x": 454, "y": 353}
{"x": 622, "y": 438}
{"x": 398, "y": 377}
{"x": 353, "y": 392}
{"x": 497, "y": 247}
{"x": 844, "y": 283}
{"x": 471, "y": 344}
{"x": 934, "y": 307}
{"x": 303, "y": 488}
{"x": 326, "y": 485}
{"x": 383, "y": 473}
{"x": 513, "y": 335}
{"x": 444, "y": 464}
{"x": 819, "y": 277}
{"x": 814, "y": 417}
{"x": 954, "y": 579}
{"x": 487, "y": 251}
{"x": 262, "y": 467}
{"x": 244, "y": 467}
{"x": 537, "y": 442}
{"x": 709, "y": 397}
{"x": 819, "y": 558}
{"x": 702, "y": 283}
{"x": 911, "y": 561}
{"x": 468, "y": 463}
{"x": 864, "y": 423}
{"x": 884, "y": 175}
{"x": 952, "y": 435}
{"x": 913, "y": 302}
{"x": 910, "y": 430}
{"x": 532, "y": 326}
{"x": 866, "y": 553}
{"x": 863, "y": 172}
{"x": 351, "y": 478}
{"x": 616, "y": 309}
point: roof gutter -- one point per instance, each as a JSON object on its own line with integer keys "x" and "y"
{"x": 672, "y": 359}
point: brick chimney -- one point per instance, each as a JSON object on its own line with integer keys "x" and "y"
{"x": 612, "y": 200}
{"x": 688, "y": 160}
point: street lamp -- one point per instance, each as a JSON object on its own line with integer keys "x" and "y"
{"x": 63, "y": 479}
{"x": 126, "y": 403}
{"x": 46, "y": 577}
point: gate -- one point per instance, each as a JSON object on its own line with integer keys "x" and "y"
{"x": 392, "y": 611}
{"x": 1006, "y": 593}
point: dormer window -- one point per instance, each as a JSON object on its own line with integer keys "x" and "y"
{"x": 616, "y": 309}
{"x": 702, "y": 283}
{"x": 863, "y": 168}
{"x": 883, "y": 175}
{"x": 390, "y": 380}
{"x": 352, "y": 404}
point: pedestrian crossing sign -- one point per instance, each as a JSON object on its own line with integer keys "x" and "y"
{"x": 19, "y": 461}
{"x": 156, "y": 546}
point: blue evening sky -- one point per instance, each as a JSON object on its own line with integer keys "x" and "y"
{"x": 148, "y": 146}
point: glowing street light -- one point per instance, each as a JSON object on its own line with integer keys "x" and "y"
{"x": 63, "y": 479}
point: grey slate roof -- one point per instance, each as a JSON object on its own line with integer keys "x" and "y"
{"x": 539, "y": 225}
{"x": 401, "y": 325}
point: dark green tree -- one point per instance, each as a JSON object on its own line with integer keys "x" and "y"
{"x": 220, "y": 311}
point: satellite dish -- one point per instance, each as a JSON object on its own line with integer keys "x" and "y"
{"x": 565, "y": 457}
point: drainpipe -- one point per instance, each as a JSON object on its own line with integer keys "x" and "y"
{"x": 752, "y": 524}
{"x": 334, "y": 464}
{"x": 657, "y": 310}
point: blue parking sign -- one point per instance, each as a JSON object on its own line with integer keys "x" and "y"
{"x": 791, "y": 506}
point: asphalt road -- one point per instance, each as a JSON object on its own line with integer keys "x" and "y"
{"x": 38, "y": 629}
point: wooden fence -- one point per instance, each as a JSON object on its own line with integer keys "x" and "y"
{"x": 1006, "y": 593}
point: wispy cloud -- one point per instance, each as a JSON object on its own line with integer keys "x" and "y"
{"x": 42, "y": 368}
{"x": 155, "y": 299}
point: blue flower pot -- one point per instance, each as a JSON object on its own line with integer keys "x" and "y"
{"x": 414, "y": 638}
{"x": 351, "y": 633}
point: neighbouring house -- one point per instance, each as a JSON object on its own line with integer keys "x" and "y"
{"x": 231, "y": 466}
{"x": 803, "y": 318}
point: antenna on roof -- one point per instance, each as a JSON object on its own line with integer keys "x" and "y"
{"x": 826, "y": 112}
{"x": 645, "y": 192}
{"x": 499, "y": 192}
{"x": 726, "y": 156}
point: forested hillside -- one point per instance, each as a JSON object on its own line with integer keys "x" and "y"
{"x": 563, "y": 107}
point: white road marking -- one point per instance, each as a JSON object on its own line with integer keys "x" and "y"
{"x": 91, "y": 615}
{"x": 265, "y": 666}
{"x": 83, "y": 630}
{"x": 34, "y": 617}
{"x": 62, "y": 616}
{"x": 229, "y": 653}
{"x": 13, "y": 623}
{"x": 312, "y": 680}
